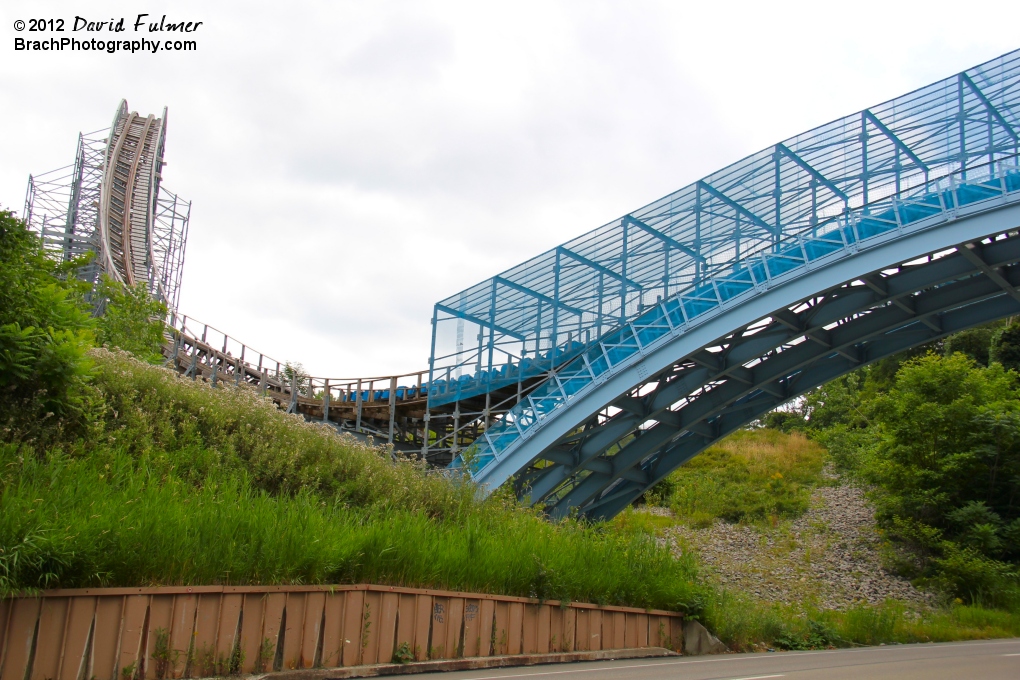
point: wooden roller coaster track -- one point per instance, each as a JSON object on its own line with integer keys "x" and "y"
{"x": 390, "y": 409}
{"x": 130, "y": 181}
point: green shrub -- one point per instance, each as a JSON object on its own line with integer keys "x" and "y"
{"x": 746, "y": 625}
{"x": 975, "y": 342}
{"x": 866, "y": 625}
{"x": 946, "y": 468}
{"x": 131, "y": 319}
{"x": 938, "y": 441}
{"x": 965, "y": 571}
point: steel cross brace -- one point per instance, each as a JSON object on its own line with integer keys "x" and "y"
{"x": 781, "y": 366}
{"x": 993, "y": 111}
{"x": 740, "y": 209}
{"x": 591, "y": 264}
{"x": 851, "y": 300}
{"x": 809, "y": 169}
{"x": 847, "y": 300}
{"x": 538, "y": 296}
{"x": 669, "y": 241}
{"x": 686, "y": 447}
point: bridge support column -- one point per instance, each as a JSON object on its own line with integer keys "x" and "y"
{"x": 393, "y": 408}
{"x": 293, "y": 393}
{"x": 425, "y": 436}
{"x": 454, "y": 449}
{"x": 357, "y": 407}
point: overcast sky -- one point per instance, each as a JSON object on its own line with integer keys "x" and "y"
{"x": 350, "y": 163}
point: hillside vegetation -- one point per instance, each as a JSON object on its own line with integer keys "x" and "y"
{"x": 117, "y": 472}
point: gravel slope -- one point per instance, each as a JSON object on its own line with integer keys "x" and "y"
{"x": 829, "y": 557}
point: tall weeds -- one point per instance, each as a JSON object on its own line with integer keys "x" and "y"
{"x": 176, "y": 483}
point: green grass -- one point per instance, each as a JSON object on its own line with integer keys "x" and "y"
{"x": 746, "y": 625}
{"x": 177, "y": 483}
{"x": 638, "y": 522}
{"x": 752, "y": 476}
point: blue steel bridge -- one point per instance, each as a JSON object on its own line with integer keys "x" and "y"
{"x": 588, "y": 373}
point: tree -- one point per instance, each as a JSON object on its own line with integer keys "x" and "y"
{"x": 837, "y": 402}
{"x": 975, "y": 342}
{"x": 45, "y": 329}
{"x": 1005, "y": 347}
{"x": 950, "y": 449}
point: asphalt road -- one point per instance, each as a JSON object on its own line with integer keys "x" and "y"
{"x": 988, "y": 660}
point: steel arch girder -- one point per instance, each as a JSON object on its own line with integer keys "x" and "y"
{"x": 844, "y": 302}
{"x": 887, "y": 253}
{"x": 687, "y": 447}
{"x": 790, "y": 367}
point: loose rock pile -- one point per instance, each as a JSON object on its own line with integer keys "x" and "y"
{"x": 829, "y": 557}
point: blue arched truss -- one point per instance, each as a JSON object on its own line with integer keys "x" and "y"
{"x": 623, "y": 353}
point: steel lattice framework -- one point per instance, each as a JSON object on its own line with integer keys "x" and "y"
{"x": 598, "y": 367}
{"x": 111, "y": 202}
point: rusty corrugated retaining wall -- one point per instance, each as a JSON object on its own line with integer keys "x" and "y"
{"x": 175, "y": 632}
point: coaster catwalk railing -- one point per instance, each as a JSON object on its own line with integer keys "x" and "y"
{"x": 390, "y": 408}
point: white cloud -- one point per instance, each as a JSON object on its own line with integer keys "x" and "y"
{"x": 351, "y": 163}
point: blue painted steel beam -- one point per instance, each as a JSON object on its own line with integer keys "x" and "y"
{"x": 991, "y": 108}
{"x": 481, "y": 322}
{"x": 597, "y": 267}
{"x": 538, "y": 296}
{"x": 665, "y": 396}
{"x": 669, "y": 241}
{"x": 869, "y": 117}
{"x": 777, "y": 369}
{"x": 739, "y": 209}
{"x": 819, "y": 177}
{"x": 839, "y": 304}
{"x": 687, "y": 447}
